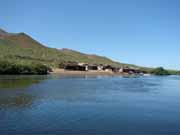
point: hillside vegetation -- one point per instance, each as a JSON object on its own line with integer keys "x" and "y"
{"x": 21, "y": 48}
{"x": 7, "y": 68}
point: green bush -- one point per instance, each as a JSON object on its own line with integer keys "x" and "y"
{"x": 160, "y": 71}
{"x": 40, "y": 69}
{"x": 178, "y": 73}
{"x": 7, "y": 68}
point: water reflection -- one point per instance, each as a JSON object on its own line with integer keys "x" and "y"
{"x": 23, "y": 91}
{"x": 14, "y": 90}
{"x": 15, "y": 82}
{"x": 19, "y": 101}
{"x": 29, "y": 89}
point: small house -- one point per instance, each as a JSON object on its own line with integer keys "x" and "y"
{"x": 108, "y": 68}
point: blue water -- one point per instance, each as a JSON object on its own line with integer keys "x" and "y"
{"x": 89, "y": 105}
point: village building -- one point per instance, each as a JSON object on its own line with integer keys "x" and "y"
{"x": 100, "y": 67}
{"x": 130, "y": 70}
{"x": 108, "y": 68}
{"x": 95, "y": 67}
{"x": 74, "y": 66}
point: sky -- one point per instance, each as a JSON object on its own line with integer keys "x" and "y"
{"x": 141, "y": 32}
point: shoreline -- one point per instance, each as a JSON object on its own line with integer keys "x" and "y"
{"x": 67, "y": 72}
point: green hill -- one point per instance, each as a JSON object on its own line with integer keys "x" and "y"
{"x": 21, "y": 51}
{"x": 21, "y": 48}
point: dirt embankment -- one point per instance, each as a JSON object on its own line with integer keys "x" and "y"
{"x": 66, "y": 72}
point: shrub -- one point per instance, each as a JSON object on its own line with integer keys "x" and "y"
{"x": 160, "y": 71}
{"x": 40, "y": 69}
{"x": 7, "y": 68}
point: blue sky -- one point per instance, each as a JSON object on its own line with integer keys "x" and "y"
{"x": 142, "y": 32}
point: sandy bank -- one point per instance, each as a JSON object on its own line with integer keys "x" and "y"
{"x": 65, "y": 72}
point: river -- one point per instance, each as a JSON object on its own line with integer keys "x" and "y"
{"x": 89, "y": 105}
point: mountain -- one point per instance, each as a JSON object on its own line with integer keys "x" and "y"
{"x": 21, "y": 48}
{"x": 2, "y": 32}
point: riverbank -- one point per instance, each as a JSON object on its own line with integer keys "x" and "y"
{"x": 157, "y": 71}
{"x": 67, "y": 72}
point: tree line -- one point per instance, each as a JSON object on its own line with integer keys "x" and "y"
{"x": 162, "y": 71}
{"x": 9, "y": 68}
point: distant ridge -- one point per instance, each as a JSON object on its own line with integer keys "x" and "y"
{"x": 3, "y": 33}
